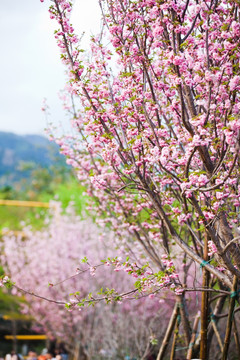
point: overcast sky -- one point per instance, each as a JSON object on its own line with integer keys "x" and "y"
{"x": 30, "y": 66}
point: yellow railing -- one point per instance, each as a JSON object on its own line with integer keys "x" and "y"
{"x": 26, "y": 337}
{"x": 12, "y": 232}
{"x": 24, "y": 203}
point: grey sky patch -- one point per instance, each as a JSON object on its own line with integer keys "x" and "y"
{"x": 31, "y": 69}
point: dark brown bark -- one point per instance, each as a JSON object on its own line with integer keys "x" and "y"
{"x": 225, "y": 236}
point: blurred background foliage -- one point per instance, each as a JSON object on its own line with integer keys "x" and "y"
{"x": 32, "y": 169}
{"x": 37, "y": 173}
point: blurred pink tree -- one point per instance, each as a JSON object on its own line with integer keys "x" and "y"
{"x": 58, "y": 265}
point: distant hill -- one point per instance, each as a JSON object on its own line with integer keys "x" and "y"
{"x": 19, "y": 154}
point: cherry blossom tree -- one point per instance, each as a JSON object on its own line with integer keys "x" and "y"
{"x": 156, "y": 109}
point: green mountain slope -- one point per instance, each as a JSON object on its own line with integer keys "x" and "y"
{"x": 20, "y": 154}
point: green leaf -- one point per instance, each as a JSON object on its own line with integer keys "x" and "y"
{"x": 84, "y": 260}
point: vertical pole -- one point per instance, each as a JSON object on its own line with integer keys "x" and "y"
{"x": 204, "y": 305}
{"x": 217, "y": 334}
{"x": 194, "y": 332}
{"x": 230, "y": 319}
{"x": 184, "y": 319}
{"x": 236, "y": 337}
{"x": 217, "y": 311}
{"x": 14, "y": 333}
{"x": 76, "y": 355}
{"x": 175, "y": 338}
{"x": 168, "y": 334}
